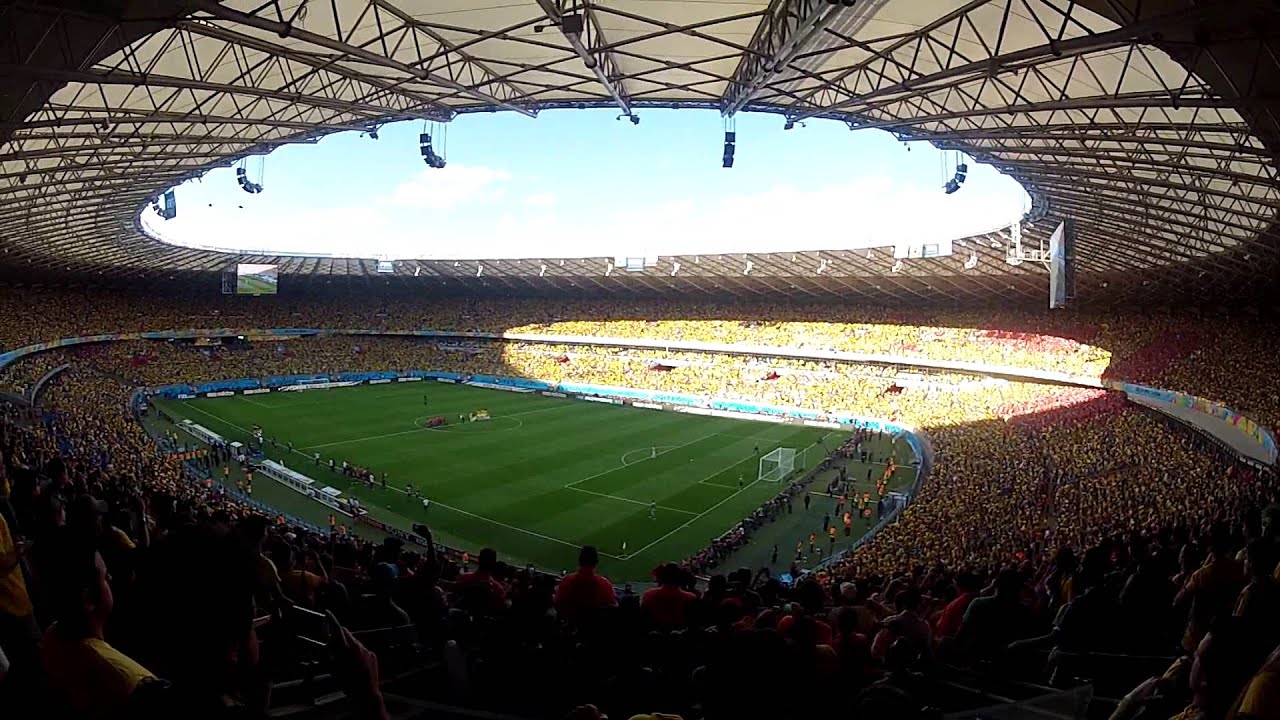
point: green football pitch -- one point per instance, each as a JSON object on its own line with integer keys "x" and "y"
{"x": 539, "y": 479}
{"x": 255, "y": 285}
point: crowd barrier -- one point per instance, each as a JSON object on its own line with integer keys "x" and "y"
{"x": 1222, "y": 422}
{"x": 44, "y": 380}
{"x": 1239, "y": 433}
{"x": 1061, "y": 705}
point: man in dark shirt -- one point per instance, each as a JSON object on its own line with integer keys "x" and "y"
{"x": 994, "y": 621}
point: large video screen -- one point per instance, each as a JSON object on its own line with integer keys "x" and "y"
{"x": 1061, "y": 275}
{"x": 253, "y": 279}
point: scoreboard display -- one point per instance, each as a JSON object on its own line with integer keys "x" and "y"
{"x": 256, "y": 279}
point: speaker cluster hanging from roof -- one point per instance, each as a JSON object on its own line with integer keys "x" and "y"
{"x": 432, "y": 158}
{"x": 242, "y": 177}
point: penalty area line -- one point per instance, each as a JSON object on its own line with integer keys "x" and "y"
{"x": 696, "y": 518}
{"x": 501, "y": 524}
{"x": 574, "y": 485}
{"x": 704, "y": 513}
{"x": 634, "y": 502}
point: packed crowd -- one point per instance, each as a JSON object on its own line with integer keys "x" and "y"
{"x": 1058, "y": 524}
{"x": 923, "y": 399}
{"x": 1067, "y": 344}
{"x": 110, "y": 548}
{"x": 1217, "y": 357}
{"x": 21, "y": 378}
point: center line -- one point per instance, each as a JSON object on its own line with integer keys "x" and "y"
{"x": 420, "y": 429}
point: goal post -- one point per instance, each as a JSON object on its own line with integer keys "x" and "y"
{"x": 777, "y": 465}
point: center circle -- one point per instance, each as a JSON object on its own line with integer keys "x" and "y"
{"x": 500, "y": 423}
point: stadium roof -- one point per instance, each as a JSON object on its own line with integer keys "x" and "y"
{"x": 1151, "y": 123}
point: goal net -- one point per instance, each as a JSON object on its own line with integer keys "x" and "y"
{"x": 777, "y": 464}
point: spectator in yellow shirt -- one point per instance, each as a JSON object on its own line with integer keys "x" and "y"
{"x": 18, "y": 630}
{"x": 94, "y": 679}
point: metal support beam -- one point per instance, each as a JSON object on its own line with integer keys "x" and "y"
{"x": 318, "y": 64}
{"x": 107, "y": 144}
{"x": 126, "y": 160}
{"x": 786, "y": 30}
{"x": 452, "y": 54}
{"x": 123, "y": 77}
{"x": 579, "y": 26}
{"x": 918, "y": 83}
{"x": 282, "y": 29}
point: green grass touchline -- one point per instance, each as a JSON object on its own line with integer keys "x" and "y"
{"x": 643, "y": 486}
{"x": 433, "y": 502}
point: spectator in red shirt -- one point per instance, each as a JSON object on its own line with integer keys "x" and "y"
{"x": 948, "y": 624}
{"x": 584, "y": 591}
{"x": 667, "y": 605}
{"x": 479, "y": 591}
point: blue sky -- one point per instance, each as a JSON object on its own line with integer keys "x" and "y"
{"x": 580, "y": 183}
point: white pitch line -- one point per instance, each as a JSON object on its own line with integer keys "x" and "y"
{"x": 689, "y": 522}
{"x": 700, "y": 515}
{"x": 510, "y": 527}
{"x": 635, "y": 502}
{"x": 437, "y": 502}
{"x": 363, "y": 439}
{"x": 224, "y": 421}
{"x": 421, "y": 429}
{"x": 574, "y": 485}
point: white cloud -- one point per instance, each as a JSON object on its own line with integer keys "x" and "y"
{"x": 487, "y": 212}
{"x": 868, "y": 212}
{"x": 449, "y": 187}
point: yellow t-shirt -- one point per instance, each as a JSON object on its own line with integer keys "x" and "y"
{"x": 1261, "y": 697}
{"x": 13, "y": 589}
{"x": 121, "y": 539}
{"x": 96, "y": 679}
